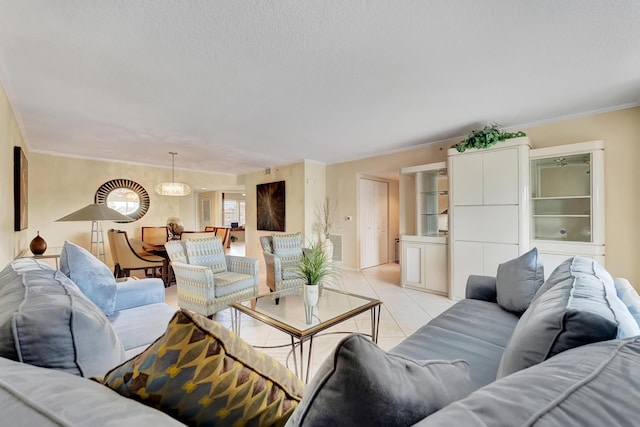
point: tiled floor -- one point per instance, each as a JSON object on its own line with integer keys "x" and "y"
{"x": 403, "y": 312}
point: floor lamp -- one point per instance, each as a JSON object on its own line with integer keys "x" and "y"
{"x": 96, "y": 213}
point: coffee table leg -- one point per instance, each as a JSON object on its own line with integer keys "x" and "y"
{"x": 308, "y": 359}
{"x": 295, "y": 362}
{"x": 235, "y": 321}
{"x": 375, "y": 323}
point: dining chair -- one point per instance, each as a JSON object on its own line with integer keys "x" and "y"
{"x": 207, "y": 279}
{"x": 225, "y": 234}
{"x": 210, "y": 228}
{"x": 129, "y": 260}
{"x": 114, "y": 253}
{"x": 155, "y": 234}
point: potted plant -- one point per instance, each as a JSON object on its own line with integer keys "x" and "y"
{"x": 314, "y": 267}
{"x": 486, "y": 137}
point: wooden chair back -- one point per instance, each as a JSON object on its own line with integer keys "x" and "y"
{"x": 225, "y": 236}
{"x": 155, "y": 234}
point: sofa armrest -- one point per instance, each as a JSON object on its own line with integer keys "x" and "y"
{"x": 244, "y": 265}
{"x": 481, "y": 288}
{"x": 136, "y": 293}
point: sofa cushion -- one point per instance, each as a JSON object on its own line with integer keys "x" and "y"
{"x": 140, "y": 326}
{"x": 207, "y": 252}
{"x": 200, "y": 373}
{"x": 93, "y": 277}
{"x": 360, "y": 384}
{"x": 287, "y": 245}
{"x": 577, "y": 305}
{"x": 45, "y": 320}
{"x": 456, "y": 334}
{"x": 32, "y": 396}
{"x": 518, "y": 280}
{"x": 593, "y": 385}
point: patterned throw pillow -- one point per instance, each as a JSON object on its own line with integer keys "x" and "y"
{"x": 287, "y": 245}
{"x": 208, "y": 252}
{"x": 201, "y": 374}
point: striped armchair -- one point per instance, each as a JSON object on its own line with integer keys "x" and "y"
{"x": 282, "y": 253}
{"x": 207, "y": 279}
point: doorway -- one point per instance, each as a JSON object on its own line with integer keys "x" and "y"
{"x": 373, "y": 218}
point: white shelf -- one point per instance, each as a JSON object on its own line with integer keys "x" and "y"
{"x": 561, "y": 216}
{"x": 560, "y": 197}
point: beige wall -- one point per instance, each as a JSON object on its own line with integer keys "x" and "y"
{"x": 11, "y": 243}
{"x": 619, "y": 129}
{"x": 342, "y": 183}
{"x": 314, "y": 196}
{"x": 61, "y": 185}
{"x": 294, "y": 178}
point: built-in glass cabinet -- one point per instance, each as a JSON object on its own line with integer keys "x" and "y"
{"x": 432, "y": 204}
{"x": 567, "y": 202}
{"x": 561, "y": 189}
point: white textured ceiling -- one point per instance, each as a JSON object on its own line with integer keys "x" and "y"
{"x": 235, "y": 86}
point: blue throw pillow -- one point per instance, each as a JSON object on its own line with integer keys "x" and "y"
{"x": 629, "y": 297}
{"x": 94, "y": 278}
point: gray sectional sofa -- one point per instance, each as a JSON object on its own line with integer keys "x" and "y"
{"x": 516, "y": 351}
{"x": 563, "y": 352}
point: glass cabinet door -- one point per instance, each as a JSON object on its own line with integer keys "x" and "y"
{"x": 432, "y": 203}
{"x": 561, "y": 202}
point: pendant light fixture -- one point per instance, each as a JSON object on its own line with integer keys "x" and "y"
{"x": 173, "y": 188}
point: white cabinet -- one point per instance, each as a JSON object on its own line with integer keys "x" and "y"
{"x": 424, "y": 227}
{"x": 424, "y": 263}
{"x": 567, "y": 202}
{"x": 489, "y": 210}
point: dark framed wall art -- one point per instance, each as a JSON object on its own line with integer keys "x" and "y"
{"x": 270, "y": 202}
{"x": 20, "y": 189}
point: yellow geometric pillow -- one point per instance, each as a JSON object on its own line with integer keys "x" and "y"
{"x": 202, "y": 374}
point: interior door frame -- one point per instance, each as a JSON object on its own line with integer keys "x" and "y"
{"x": 359, "y": 212}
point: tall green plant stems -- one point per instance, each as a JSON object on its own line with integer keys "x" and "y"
{"x": 315, "y": 266}
{"x": 486, "y": 137}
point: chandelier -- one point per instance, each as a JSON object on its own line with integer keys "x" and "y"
{"x": 173, "y": 188}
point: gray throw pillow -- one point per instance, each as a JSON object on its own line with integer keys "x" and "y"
{"x": 45, "y": 320}
{"x": 360, "y": 384}
{"x": 518, "y": 280}
{"x": 577, "y": 305}
{"x": 93, "y": 277}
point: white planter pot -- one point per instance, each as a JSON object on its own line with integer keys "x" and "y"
{"x": 311, "y": 295}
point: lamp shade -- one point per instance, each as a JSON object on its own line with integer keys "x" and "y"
{"x": 173, "y": 189}
{"x": 95, "y": 212}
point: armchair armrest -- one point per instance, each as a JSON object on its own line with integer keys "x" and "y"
{"x": 481, "y": 288}
{"x": 136, "y": 293}
{"x": 244, "y": 265}
{"x": 194, "y": 279}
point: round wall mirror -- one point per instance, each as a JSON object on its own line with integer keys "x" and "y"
{"x": 125, "y": 196}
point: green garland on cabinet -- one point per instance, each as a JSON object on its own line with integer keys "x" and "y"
{"x": 486, "y": 137}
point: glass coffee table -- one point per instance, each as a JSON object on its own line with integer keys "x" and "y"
{"x": 288, "y": 316}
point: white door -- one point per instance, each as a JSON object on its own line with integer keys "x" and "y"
{"x": 373, "y": 219}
